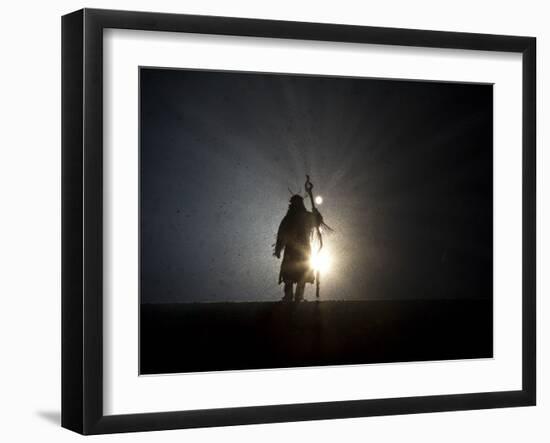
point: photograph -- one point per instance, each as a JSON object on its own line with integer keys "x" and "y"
{"x": 294, "y": 218}
{"x": 289, "y": 220}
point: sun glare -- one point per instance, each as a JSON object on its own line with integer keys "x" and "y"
{"x": 318, "y": 200}
{"x": 320, "y": 261}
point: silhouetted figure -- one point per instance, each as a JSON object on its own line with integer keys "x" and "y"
{"x": 294, "y": 236}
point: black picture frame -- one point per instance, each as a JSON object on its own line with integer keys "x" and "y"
{"x": 82, "y": 218}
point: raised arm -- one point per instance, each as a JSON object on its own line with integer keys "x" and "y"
{"x": 317, "y": 218}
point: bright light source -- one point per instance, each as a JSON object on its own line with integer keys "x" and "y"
{"x": 320, "y": 261}
{"x": 318, "y": 200}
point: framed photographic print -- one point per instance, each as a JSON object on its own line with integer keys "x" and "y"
{"x": 269, "y": 221}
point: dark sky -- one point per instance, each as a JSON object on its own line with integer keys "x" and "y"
{"x": 404, "y": 168}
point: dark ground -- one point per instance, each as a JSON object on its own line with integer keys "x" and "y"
{"x": 222, "y": 336}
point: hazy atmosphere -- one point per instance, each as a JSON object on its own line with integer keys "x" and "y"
{"x": 404, "y": 169}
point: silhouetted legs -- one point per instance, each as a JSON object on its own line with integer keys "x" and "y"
{"x": 288, "y": 292}
{"x": 300, "y": 287}
{"x": 299, "y": 294}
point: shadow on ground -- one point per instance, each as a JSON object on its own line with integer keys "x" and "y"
{"x": 53, "y": 417}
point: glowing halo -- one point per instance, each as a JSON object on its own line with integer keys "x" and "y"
{"x": 320, "y": 261}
